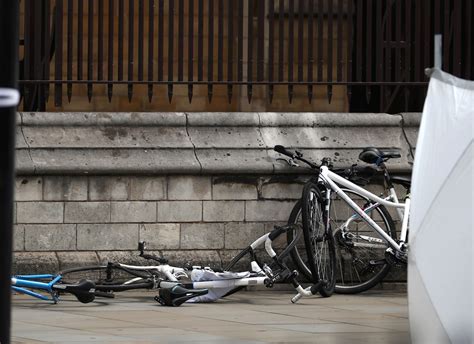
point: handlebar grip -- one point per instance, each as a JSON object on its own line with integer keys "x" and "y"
{"x": 282, "y": 150}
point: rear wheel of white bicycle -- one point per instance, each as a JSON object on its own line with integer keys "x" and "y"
{"x": 108, "y": 278}
{"x": 360, "y": 250}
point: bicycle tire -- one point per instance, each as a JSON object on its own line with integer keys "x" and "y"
{"x": 109, "y": 278}
{"x": 360, "y": 264}
{"x": 319, "y": 240}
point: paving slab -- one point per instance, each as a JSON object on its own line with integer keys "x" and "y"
{"x": 245, "y": 317}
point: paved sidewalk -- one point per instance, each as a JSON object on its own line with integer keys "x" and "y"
{"x": 245, "y": 317}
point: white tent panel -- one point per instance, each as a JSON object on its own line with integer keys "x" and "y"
{"x": 441, "y": 219}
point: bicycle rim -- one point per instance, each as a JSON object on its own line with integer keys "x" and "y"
{"x": 360, "y": 251}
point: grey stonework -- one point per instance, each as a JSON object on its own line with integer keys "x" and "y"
{"x": 196, "y": 187}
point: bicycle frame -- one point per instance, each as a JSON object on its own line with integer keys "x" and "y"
{"x": 20, "y": 284}
{"x": 330, "y": 179}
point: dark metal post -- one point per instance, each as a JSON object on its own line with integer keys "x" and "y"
{"x": 8, "y": 79}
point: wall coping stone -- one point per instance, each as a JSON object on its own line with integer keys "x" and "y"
{"x": 200, "y": 143}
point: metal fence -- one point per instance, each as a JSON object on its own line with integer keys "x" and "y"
{"x": 377, "y": 49}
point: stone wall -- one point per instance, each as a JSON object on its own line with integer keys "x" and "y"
{"x": 197, "y": 187}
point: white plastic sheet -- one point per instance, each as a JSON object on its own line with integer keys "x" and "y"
{"x": 440, "y": 267}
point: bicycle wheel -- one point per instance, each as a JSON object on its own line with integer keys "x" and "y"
{"x": 109, "y": 277}
{"x": 361, "y": 262}
{"x": 319, "y": 241}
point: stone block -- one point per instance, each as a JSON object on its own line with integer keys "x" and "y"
{"x": 107, "y": 236}
{"x": 222, "y": 211}
{"x": 69, "y": 260}
{"x": 163, "y": 236}
{"x": 18, "y": 238}
{"x": 28, "y": 189}
{"x": 87, "y": 212}
{"x": 65, "y": 188}
{"x": 134, "y": 212}
{"x": 281, "y": 191}
{"x": 226, "y": 137}
{"x": 233, "y": 191}
{"x": 123, "y": 257}
{"x": 195, "y": 257}
{"x": 239, "y": 235}
{"x": 109, "y": 188}
{"x": 148, "y": 188}
{"x": 237, "y": 160}
{"x": 50, "y": 237}
{"x": 202, "y": 236}
{"x": 34, "y": 263}
{"x": 268, "y": 210}
{"x": 189, "y": 188}
{"x": 40, "y": 212}
{"x": 179, "y": 211}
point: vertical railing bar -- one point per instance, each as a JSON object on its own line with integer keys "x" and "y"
{"x": 200, "y": 62}
{"x": 161, "y": 34}
{"x": 350, "y": 43}
{"x": 170, "y": 49}
{"x": 100, "y": 41}
{"x": 47, "y": 45}
{"x": 311, "y": 48}
{"x": 260, "y": 40}
{"x": 378, "y": 43}
{"x": 388, "y": 53}
{"x": 70, "y": 13}
{"x": 37, "y": 62}
{"x": 446, "y": 26}
{"x": 369, "y": 32}
{"x": 468, "y": 74}
{"x": 249, "y": 50}
{"x": 398, "y": 37}
{"x": 457, "y": 62}
{"x": 360, "y": 43}
{"x": 27, "y": 53}
{"x": 417, "y": 45}
{"x": 140, "y": 38}
{"x": 301, "y": 11}
{"x": 340, "y": 62}
{"x": 240, "y": 42}
{"x": 180, "y": 40}
{"x": 120, "y": 39}
{"x": 110, "y": 55}
{"x": 291, "y": 41}
{"x": 151, "y": 40}
{"x": 190, "y": 49}
{"x": 90, "y": 46}
{"x": 408, "y": 43}
{"x": 230, "y": 51}
{"x": 329, "y": 66}
{"x": 428, "y": 53}
{"x": 59, "y": 53}
{"x": 320, "y": 38}
{"x": 131, "y": 30}
{"x": 210, "y": 51}
{"x": 220, "y": 39}
{"x": 281, "y": 39}
{"x": 271, "y": 46}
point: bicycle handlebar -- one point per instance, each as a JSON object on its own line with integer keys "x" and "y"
{"x": 296, "y": 155}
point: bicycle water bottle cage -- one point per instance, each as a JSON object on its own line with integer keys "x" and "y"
{"x": 177, "y": 295}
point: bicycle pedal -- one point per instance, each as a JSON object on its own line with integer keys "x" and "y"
{"x": 160, "y": 300}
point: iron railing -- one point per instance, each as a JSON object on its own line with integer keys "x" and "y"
{"x": 377, "y": 49}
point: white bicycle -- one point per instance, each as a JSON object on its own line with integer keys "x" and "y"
{"x": 366, "y": 242}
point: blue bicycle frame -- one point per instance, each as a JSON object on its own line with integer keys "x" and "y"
{"x": 20, "y": 283}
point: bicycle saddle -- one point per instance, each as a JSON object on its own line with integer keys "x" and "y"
{"x": 83, "y": 291}
{"x": 175, "y": 296}
{"x": 372, "y": 155}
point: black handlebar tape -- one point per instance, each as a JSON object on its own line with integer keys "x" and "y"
{"x": 282, "y": 150}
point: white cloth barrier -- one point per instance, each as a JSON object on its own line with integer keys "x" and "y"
{"x": 440, "y": 266}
